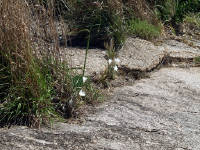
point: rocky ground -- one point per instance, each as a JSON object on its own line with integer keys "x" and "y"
{"x": 136, "y": 54}
{"x": 160, "y": 112}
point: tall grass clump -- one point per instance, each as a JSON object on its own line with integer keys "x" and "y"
{"x": 36, "y": 85}
{"x": 25, "y": 93}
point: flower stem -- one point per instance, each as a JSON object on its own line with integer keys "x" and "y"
{"x": 88, "y": 44}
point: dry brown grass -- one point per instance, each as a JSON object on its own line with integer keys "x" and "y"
{"x": 14, "y": 35}
{"x": 35, "y": 82}
{"x": 142, "y": 10}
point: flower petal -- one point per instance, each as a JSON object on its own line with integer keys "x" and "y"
{"x": 109, "y": 61}
{"x": 115, "y": 68}
{"x": 82, "y": 93}
{"x": 84, "y": 79}
{"x": 117, "y": 60}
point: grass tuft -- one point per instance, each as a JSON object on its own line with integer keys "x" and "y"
{"x": 143, "y": 29}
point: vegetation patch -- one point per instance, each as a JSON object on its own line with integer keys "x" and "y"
{"x": 174, "y": 10}
{"x": 35, "y": 89}
{"x": 193, "y": 19}
{"x": 143, "y": 29}
{"x": 102, "y": 18}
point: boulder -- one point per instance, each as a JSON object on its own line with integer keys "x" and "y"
{"x": 138, "y": 54}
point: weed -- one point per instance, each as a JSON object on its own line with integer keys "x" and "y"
{"x": 112, "y": 69}
{"x": 70, "y": 90}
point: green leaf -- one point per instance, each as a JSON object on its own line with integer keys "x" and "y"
{"x": 19, "y": 107}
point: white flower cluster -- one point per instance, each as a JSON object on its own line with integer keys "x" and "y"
{"x": 116, "y": 60}
{"x": 82, "y": 93}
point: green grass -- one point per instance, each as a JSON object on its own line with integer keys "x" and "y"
{"x": 28, "y": 97}
{"x": 143, "y": 29}
{"x": 193, "y": 19}
{"x": 47, "y": 91}
{"x": 173, "y": 11}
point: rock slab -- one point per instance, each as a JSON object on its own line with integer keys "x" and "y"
{"x": 138, "y": 54}
{"x": 95, "y": 62}
{"x": 176, "y": 49}
{"x": 158, "y": 113}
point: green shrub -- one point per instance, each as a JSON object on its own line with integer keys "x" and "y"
{"x": 143, "y": 29}
{"x": 175, "y": 10}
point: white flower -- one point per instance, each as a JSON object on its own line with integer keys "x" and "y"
{"x": 109, "y": 61}
{"x": 82, "y": 93}
{"x": 117, "y": 60}
{"x": 115, "y": 68}
{"x": 84, "y": 79}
